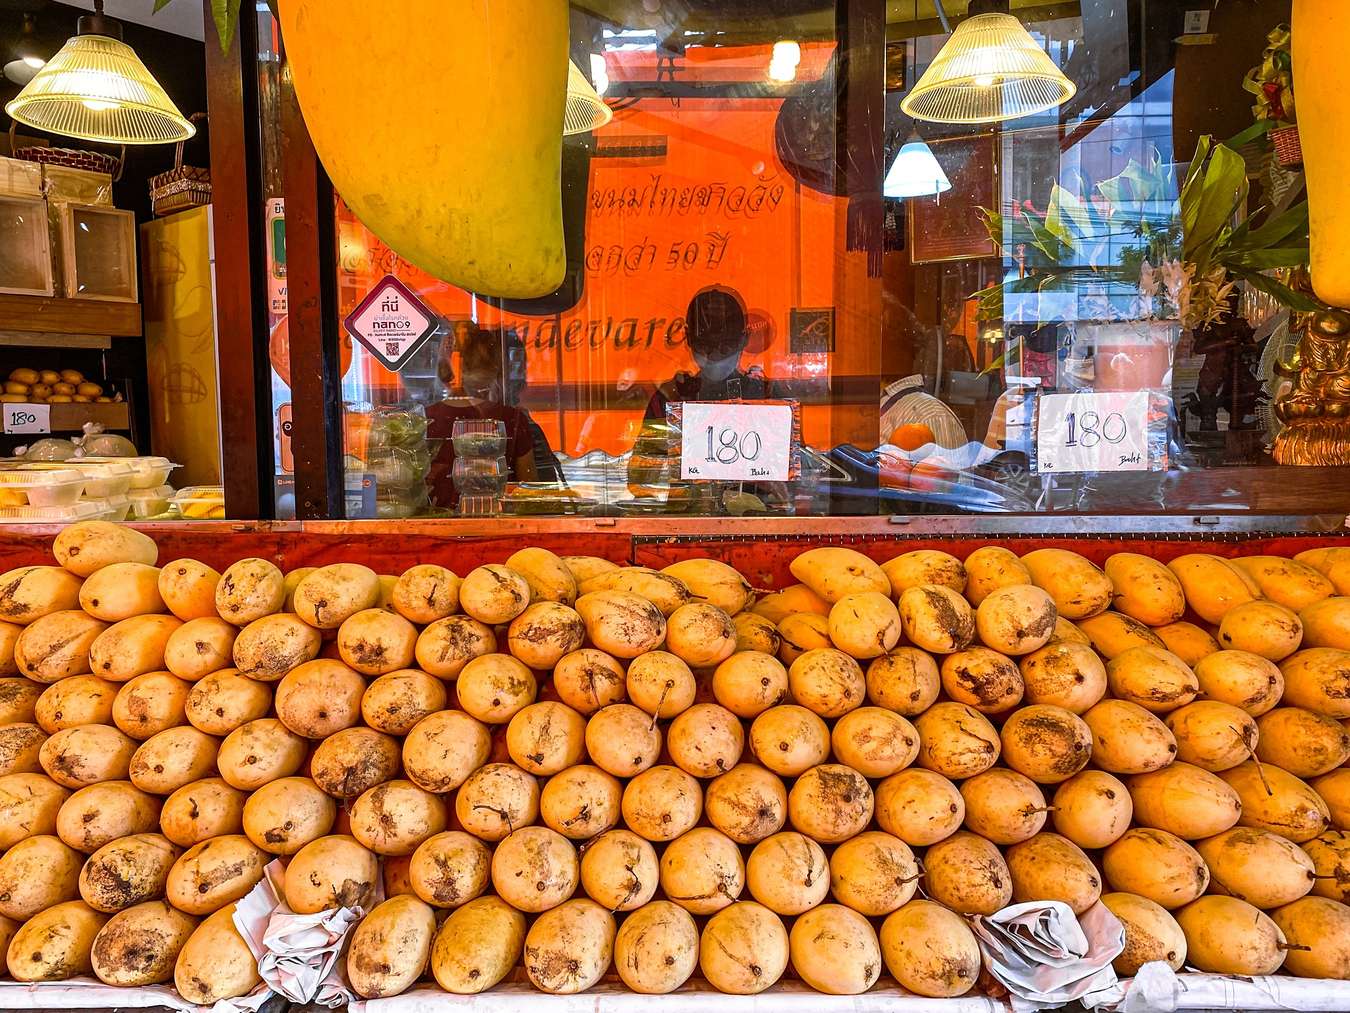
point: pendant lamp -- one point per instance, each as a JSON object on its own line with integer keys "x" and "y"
{"x": 990, "y": 70}
{"x": 915, "y": 172}
{"x": 97, "y": 89}
{"x": 585, "y": 110}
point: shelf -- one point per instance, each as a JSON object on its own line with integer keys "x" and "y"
{"x": 70, "y": 418}
{"x": 51, "y": 316}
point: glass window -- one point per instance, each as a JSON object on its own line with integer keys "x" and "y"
{"x": 1007, "y": 315}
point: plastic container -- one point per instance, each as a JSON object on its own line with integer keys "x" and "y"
{"x": 480, "y": 476}
{"x": 85, "y": 510}
{"x": 479, "y": 438}
{"x": 200, "y": 502}
{"x": 144, "y": 503}
{"x": 118, "y": 507}
{"x": 147, "y": 472}
{"x": 101, "y": 478}
{"x": 41, "y": 488}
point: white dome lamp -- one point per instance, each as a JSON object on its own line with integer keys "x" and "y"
{"x": 915, "y": 172}
{"x": 990, "y": 70}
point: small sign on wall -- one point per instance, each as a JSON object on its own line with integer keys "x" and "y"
{"x": 392, "y": 323}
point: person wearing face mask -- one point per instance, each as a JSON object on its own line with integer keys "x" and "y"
{"x": 715, "y": 330}
{"x": 491, "y": 378}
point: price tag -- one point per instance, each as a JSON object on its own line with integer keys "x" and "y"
{"x": 1105, "y": 431}
{"x": 28, "y": 418}
{"x": 736, "y": 442}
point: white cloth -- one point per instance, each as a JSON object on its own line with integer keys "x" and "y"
{"x": 92, "y": 994}
{"x": 1159, "y": 989}
{"x": 1044, "y": 955}
{"x": 299, "y": 956}
{"x": 694, "y": 997}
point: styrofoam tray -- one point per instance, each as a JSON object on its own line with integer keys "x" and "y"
{"x": 85, "y": 510}
{"x": 147, "y": 472}
{"x": 45, "y": 488}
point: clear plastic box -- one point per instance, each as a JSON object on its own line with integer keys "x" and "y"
{"x": 85, "y": 510}
{"x": 150, "y": 502}
{"x": 200, "y": 502}
{"x": 118, "y": 508}
{"x": 147, "y": 472}
{"x": 44, "y": 488}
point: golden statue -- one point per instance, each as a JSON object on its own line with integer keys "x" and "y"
{"x": 1316, "y": 413}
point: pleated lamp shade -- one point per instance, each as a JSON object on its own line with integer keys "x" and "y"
{"x": 991, "y": 69}
{"x": 97, "y": 89}
{"x": 586, "y": 110}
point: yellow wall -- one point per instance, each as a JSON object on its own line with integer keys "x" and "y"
{"x": 180, "y": 345}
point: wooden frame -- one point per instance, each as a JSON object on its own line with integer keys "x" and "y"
{"x": 241, "y": 280}
{"x": 312, "y": 319}
{"x": 70, "y": 266}
{"x": 946, "y": 227}
{"x": 37, "y": 221}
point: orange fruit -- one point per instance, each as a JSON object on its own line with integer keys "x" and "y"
{"x": 912, "y": 436}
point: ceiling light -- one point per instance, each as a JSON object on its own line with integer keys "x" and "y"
{"x": 97, "y": 89}
{"x": 783, "y": 63}
{"x": 585, "y": 110}
{"x": 27, "y": 59}
{"x": 915, "y": 172}
{"x": 990, "y": 70}
{"x": 599, "y": 73}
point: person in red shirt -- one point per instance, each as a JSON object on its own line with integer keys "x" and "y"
{"x": 491, "y": 377}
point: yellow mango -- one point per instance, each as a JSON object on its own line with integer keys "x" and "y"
{"x": 481, "y": 206}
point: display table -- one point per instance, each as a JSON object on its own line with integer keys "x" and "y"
{"x": 1156, "y": 990}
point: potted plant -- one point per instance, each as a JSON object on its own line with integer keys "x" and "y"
{"x": 1139, "y": 260}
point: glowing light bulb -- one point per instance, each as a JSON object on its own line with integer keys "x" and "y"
{"x": 985, "y": 80}
{"x": 93, "y": 105}
{"x": 36, "y": 62}
{"x": 783, "y": 63}
{"x": 599, "y": 73}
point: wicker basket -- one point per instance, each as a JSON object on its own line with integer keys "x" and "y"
{"x": 183, "y": 186}
{"x": 71, "y": 158}
{"x": 1288, "y": 150}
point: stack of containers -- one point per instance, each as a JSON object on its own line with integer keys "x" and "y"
{"x": 147, "y": 492}
{"x": 84, "y": 488}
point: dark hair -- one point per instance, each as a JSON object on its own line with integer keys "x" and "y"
{"x": 715, "y": 323}
{"x": 502, "y": 350}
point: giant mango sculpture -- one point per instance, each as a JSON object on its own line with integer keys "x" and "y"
{"x": 1320, "y": 39}
{"x": 440, "y": 124}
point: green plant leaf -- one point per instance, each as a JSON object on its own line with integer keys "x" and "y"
{"x": 1215, "y": 191}
{"x": 160, "y": 5}
{"x": 1262, "y": 260}
{"x": 1286, "y": 295}
{"x": 225, "y": 13}
{"x": 1292, "y": 224}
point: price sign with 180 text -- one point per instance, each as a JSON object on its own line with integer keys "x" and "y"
{"x": 28, "y": 418}
{"x": 736, "y": 442}
{"x": 1093, "y": 431}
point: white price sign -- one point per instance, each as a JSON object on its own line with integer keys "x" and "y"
{"x": 736, "y": 442}
{"x": 28, "y": 418}
{"x": 1103, "y": 431}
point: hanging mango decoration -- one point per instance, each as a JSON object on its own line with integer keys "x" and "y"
{"x": 440, "y": 124}
{"x": 1321, "y": 38}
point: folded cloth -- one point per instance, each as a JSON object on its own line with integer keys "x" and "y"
{"x": 1156, "y": 988}
{"x": 298, "y": 956}
{"x": 1043, "y": 954}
